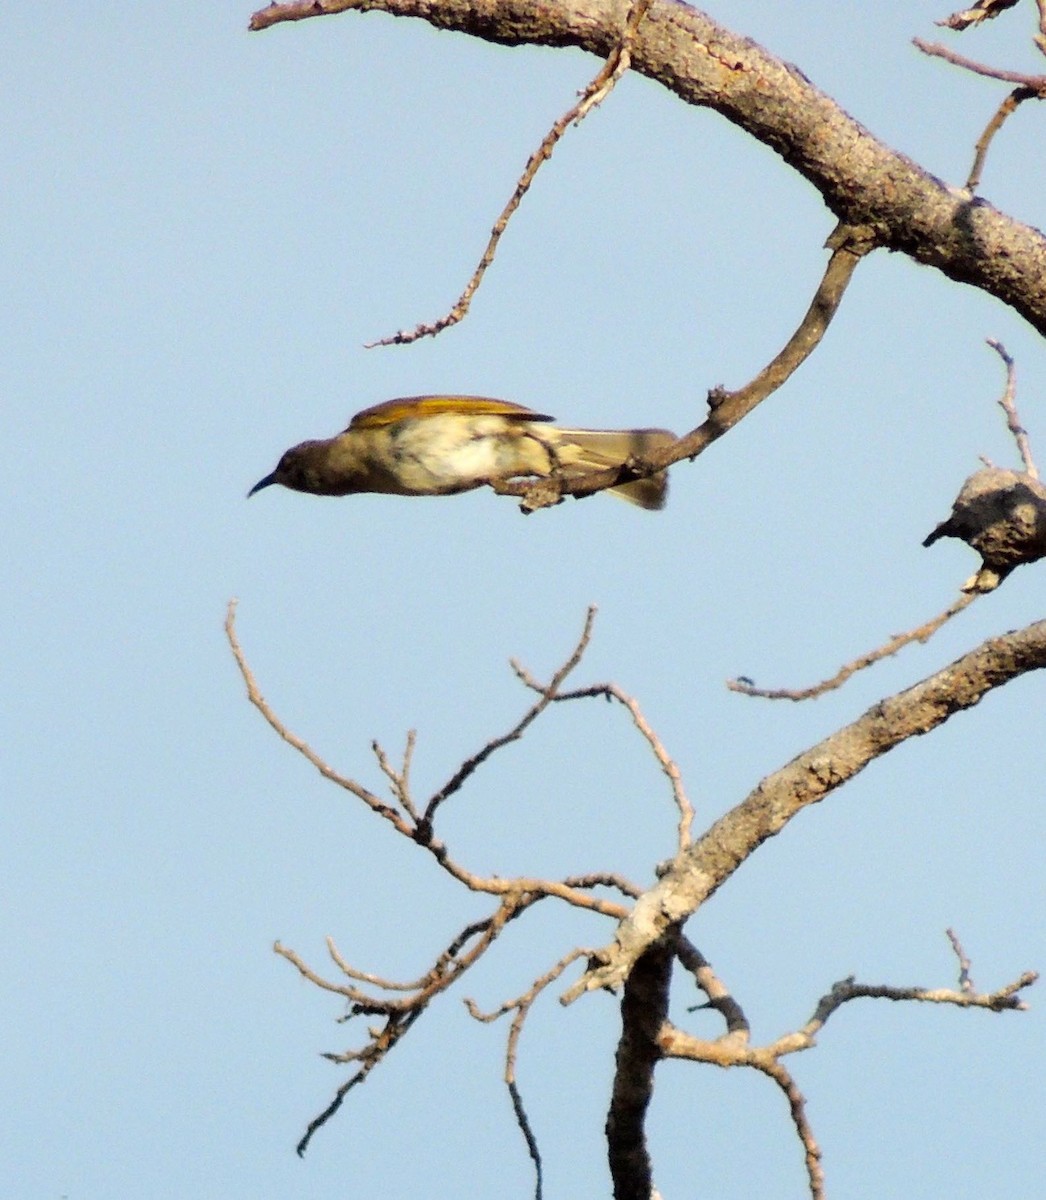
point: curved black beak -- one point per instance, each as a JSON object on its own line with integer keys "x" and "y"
{"x": 262, "y": 483}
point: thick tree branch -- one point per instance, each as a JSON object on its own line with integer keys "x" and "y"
{"x": 698, "y": 872}
{"x": 644, "y": 1009}
{"x": 862, "y": 181}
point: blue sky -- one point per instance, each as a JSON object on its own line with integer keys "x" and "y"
{"x": 201, "y": 229}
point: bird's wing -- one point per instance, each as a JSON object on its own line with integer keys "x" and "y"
{"x": 429, "y": 406}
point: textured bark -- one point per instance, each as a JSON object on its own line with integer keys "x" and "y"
{"x": 862, "y": 180}
{"x": 702, "y": 869}
{"x": 644, "y": 1009}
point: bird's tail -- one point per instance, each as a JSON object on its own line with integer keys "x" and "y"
{"x": 593, "y": 449}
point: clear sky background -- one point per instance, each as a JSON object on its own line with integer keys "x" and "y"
{"x": 201, "y": 228}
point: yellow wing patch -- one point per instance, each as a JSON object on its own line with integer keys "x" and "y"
{"x": 391, "y": 411}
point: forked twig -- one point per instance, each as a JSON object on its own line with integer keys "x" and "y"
{"x": 611, "y": 691}
{"x": 400, "y": 780}
{"x": 399, "y": 1003}
{"x": 1029, "y": 87}
{"x": 733, "y": 1051}
{"x": 522, "y": 1005}
{"x": 399, "y": 1012}
{"x": 421, "y": 830}
{"x": 548, "y": 694}
{"x": 292, "y": 739}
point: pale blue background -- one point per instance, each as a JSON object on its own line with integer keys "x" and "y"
{"x": 200, "y": 228}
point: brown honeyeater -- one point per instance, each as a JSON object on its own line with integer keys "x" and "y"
{"x": 440, "y": 445}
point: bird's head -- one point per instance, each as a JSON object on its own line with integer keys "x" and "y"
{"x": 301, "y": 468}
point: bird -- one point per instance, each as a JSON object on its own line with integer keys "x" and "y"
{"x": 442, "y": 445}
{"x": 1002, "y": 515}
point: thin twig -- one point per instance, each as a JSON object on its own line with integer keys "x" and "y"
{"x": 400, "y": 1013}
{"x": 1008, "y": 404}
{"x": 298, "y": 10}
{"x": 921, "y": 633}
{"x": 1003, "y": 999}
{"x": 608, "y": 879}
{"x": 1005, "y": 109}
{"x": 734, "y": 1051}
{"x": 965, "y": 982}
{"x": 780, "y": 1074}
{"x": 292, "y": 739}
{"x": 421, "y": 831}
{"x": 611, "y": 691}
{"x": 548, "y": 694}
{"x": 400, "y": 780}
{"x": 522, "y": 1005}
{"x": 1036, "y": 82}
{"x": 594, "y": 94}
{"x": 388, "y": 985}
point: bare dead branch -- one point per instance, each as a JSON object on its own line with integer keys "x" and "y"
{"x": 1005, "y": 109}
{"x": 448, "y": 967}
{"x": 469, "y": 766}
{"x": 862, "y": 181}
{"x": 644, "y": 1009}
{"x": 965, "y": 982}
{"x": 594, "y": 94}
{"x": 848, "y": 246}
{"x": 1005, "y": 998}
{"x": 400, "y": 780}
{"x": 1029, "y": 87}
{"x": 1008, "y": 404}
{"x": 322, "y": 1118}
{"x": 304, "y": 749}
{"x": 421, "y": 831}
{"x": 780, "y": 1074}
{"x": 523, "y": 1121}
{"x": 734, "y": 1051}
{"x": 697, "y": 873}
{"x": 921, "y": 633}
{"x": 718, "y": 994}
{"x": 611, "y": 691}
{"x": 604, "y": 879}
{"x": 522, "y": 1005}
{"x": 387, "y": 985}
{"x": 400, "y": 1013}
{"x": 1036, "y": 83}
{"x": 299, "y": 10}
